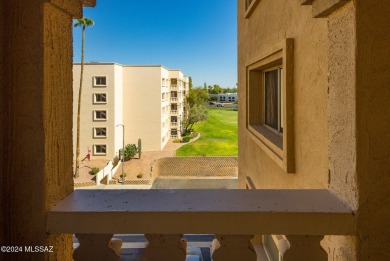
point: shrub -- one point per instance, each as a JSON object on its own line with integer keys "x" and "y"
{"x": 186, "y": 139}
{"x": 130, "y": 151}
{"x": 176, "y": 141}
{"x": 94, "y": 171}
{"x": 140, "y": 175}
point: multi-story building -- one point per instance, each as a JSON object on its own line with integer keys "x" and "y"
{"x": 148, "y": 100}
{"x": 321, "y": 172}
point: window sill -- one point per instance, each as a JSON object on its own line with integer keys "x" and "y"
{"x": 270, "y": 142}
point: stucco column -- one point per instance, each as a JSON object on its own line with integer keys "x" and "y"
{"x": 373, "y": 128}
{"x": 36, "y": 92}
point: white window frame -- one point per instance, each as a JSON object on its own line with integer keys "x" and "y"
{"x": 95, "y": 152}
{"x": 99, "y": 119}
{"x": 95, "y": 101}
{"x": 95, "y": 84}
{"x": 95, "y": 132}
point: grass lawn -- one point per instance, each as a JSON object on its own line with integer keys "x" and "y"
{"x": 218, "y": 135}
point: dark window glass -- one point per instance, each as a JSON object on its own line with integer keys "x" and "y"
{"x": 271, "y": 98}
{"x": 100, "y": 80}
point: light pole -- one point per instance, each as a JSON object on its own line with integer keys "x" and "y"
{"x": 123, "y": 153}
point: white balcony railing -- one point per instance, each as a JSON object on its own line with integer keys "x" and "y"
{"x": 234, "y": 216}
{"x": 173, "y": 86}
{"x": 174, "y": 112}
{"x": 173, "y": 124}
{"x": 173, "y": 99}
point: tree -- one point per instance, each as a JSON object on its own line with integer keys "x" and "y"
{"x": 197, "y": 96}
{"x": 130, "y": 151}
{"x": 190, "y": 83}
{"x": 83, "y": 23}
{"x": 216, "y": 89}
{"x": 197, "y": 113}
{"x": 230, "y": 90}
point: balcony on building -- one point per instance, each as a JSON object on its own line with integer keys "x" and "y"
{"x": 299, "y": 219}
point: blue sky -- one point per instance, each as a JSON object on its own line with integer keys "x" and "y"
{"x": 197, "y": 36}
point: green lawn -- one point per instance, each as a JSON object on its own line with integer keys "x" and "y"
{"x": 218, "y": 135}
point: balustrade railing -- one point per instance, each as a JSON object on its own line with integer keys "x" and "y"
{"x": 234, "y": 216}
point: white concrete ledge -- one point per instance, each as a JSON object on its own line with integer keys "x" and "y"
{"x": 239, "y": 212}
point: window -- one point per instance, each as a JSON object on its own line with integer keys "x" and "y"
{"x": 100, "y": 132}
{"x": 100, "y": 149}
{"x": 174, "y": 132}
{"x": 100, "y": 81}
{"x": 100, "y": 98}
{"x": 272, "y": 104}
{"x": 270, "y": 110}
{"x": 100, "y": 115}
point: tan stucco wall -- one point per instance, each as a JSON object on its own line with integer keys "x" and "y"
{"x": 373, "y": 124}
{"x": 271, "y": 22}
{"x": 142, "y": 105}
{"x": 347, "y": 57}
{"x": 342, "y": 121}
{"x": 37, "y": 138}
{"x": 112, "y": 107}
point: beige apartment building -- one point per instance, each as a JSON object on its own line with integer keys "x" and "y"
{"x": 148, "y": 100}
{"x": 317, "y": 164}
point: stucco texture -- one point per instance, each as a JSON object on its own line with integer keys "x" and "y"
{"x": 373, "y": 130}
{"x": 37, "y": 131}
{"x": 271, "y": 22}
{"x": 341, "y": 111}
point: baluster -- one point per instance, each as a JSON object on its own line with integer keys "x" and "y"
{"x": 305, "y": 248}
{"x": 233, "y": 248}
{"x": 97, "y": 247}
{"x": 165, "y": 247}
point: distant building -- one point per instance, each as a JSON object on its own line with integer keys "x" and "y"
{"x": 227, "y": 97}
{"x": 149, "y": 100}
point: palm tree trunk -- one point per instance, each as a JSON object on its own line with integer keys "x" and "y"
{"x": 77, "y": 170}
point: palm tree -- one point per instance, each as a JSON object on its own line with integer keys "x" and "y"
{"x": 83, "y": 23}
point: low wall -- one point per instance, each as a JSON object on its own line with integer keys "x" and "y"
{"x": 196, "y": 167}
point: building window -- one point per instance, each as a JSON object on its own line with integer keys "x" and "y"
{"x": 100, "y": 115}
{"x": 100, "y": 150}
{"x": 272, "y": 103}
{"x": 174, "y": 132}
{"x": 100, "y": 132}
{"x": 100, "y": 81}
{"x": 270, "y": 106}
{"x": 100, "y": 98}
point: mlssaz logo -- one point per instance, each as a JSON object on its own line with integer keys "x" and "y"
{"x": 38, "y": 249}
